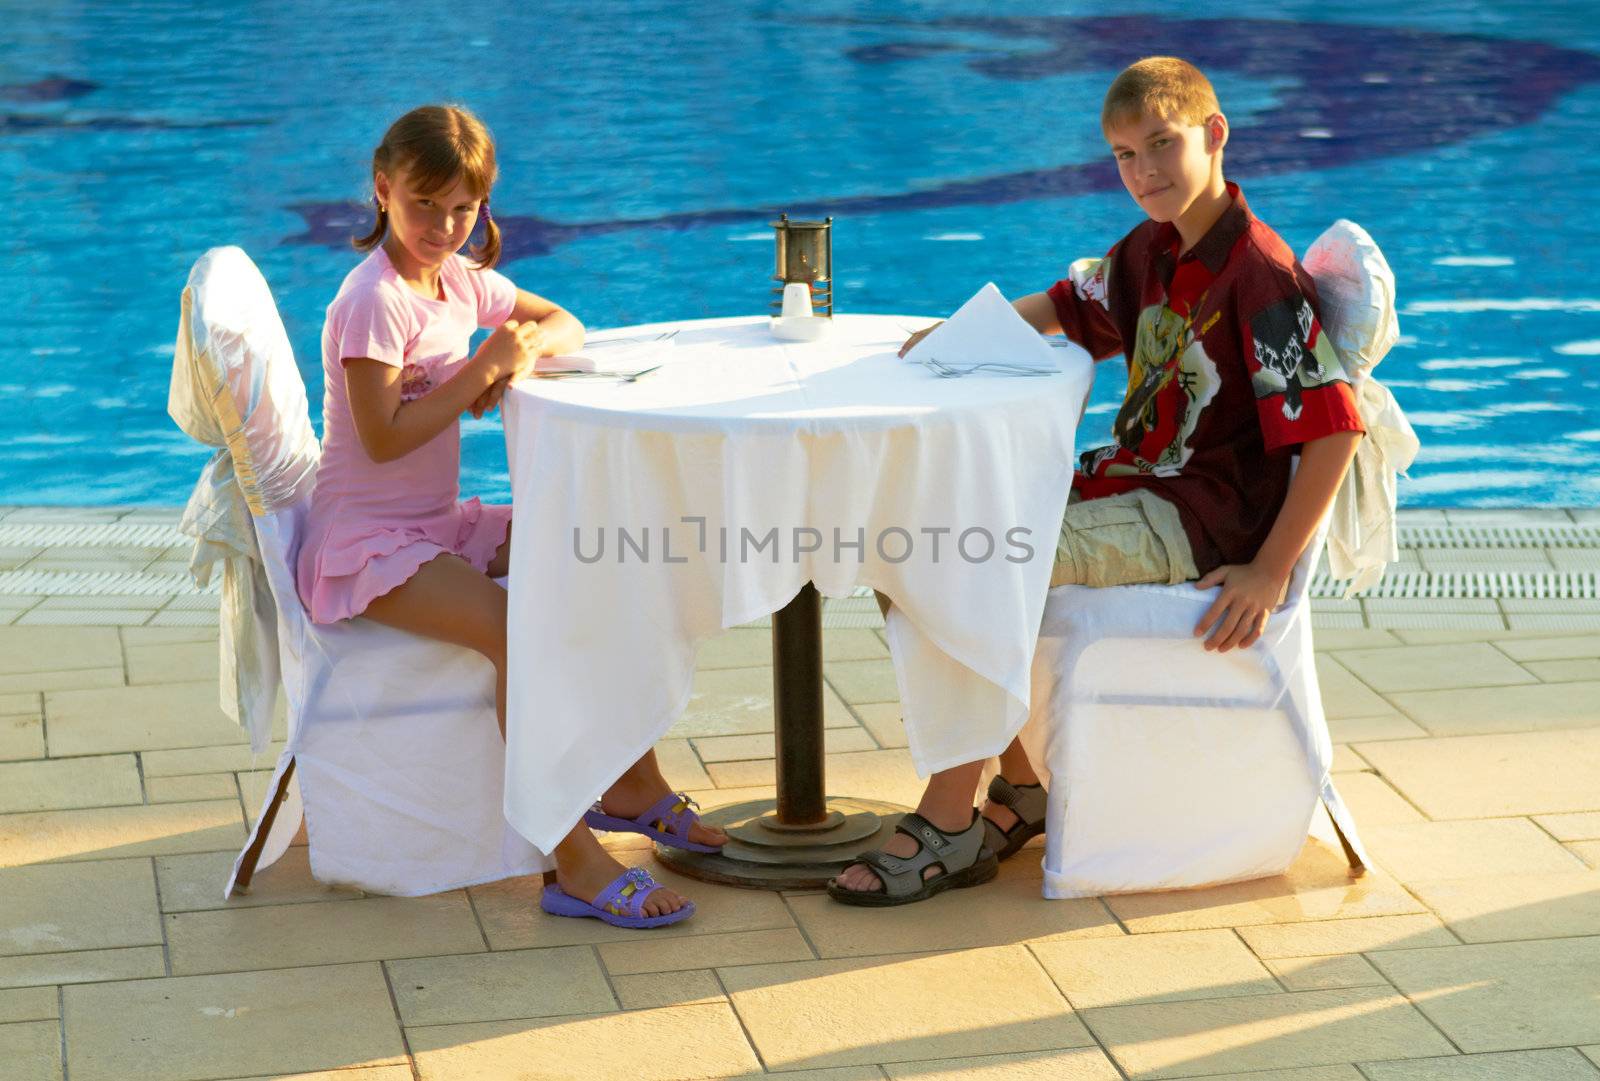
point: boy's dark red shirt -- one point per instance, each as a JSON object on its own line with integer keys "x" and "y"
{"x": 1228, "y": 373}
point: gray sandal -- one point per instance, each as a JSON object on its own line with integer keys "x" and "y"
{"x": 962, "y": 858}
{"x": 1028, "y": 802}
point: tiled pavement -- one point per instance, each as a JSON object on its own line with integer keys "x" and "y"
{"x": 1468, "y": 749}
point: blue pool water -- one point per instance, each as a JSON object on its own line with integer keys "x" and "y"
{"x": 644, "y": 146}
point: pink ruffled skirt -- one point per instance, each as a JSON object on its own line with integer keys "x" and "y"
{"x": 343, "y": 565}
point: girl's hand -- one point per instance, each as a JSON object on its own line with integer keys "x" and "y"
{"x": 489, "y": 398}
{"x": 911, "y": 342}
{"x": 1240, "y": 612}
{"x": 512, "y": 350}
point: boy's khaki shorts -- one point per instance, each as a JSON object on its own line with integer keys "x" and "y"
{"x": 1127, "y": 539}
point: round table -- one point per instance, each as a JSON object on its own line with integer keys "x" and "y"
{"x": 638, "y": 505}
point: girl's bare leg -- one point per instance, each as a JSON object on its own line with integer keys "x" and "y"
{"x": 637, "y": 790}
{"x": 449, "y": 601}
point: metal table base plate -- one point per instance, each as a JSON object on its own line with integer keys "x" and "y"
{"x": 770, "y": 855}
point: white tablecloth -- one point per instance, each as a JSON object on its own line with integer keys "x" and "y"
{"x": 678, "y": 482}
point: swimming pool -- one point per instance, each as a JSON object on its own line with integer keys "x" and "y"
{"x": 644, "y": 146}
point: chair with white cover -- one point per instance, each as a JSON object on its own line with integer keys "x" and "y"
{"x": 1170, "y": 767}
{"x": 393, "y": 756}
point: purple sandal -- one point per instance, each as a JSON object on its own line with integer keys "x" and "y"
{"x": 621, "y": 904}
{"x": 667, "y": 822}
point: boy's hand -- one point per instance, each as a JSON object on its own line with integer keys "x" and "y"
{"x": 911, "y": 342}
{"x": 1240, "y": 612}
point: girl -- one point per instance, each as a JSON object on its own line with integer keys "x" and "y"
{"x": 386, "y": 537}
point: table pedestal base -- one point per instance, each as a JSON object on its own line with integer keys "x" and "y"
{"x": 763, "y": 853}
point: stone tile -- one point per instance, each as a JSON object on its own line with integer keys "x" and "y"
{"x": 1490, "y": 621}
{"x": 1553, "y": 622}
{"x": 733, "y": 948}
{"x": 21, "y": 705}
{"x": 1583, "y": 826}
{"x": 1160, "y": 967}
{"x": 195, "y": 883}
{"x": 1587, "y": 851}
{"x": 1363, "y": 729}
{"x": 1337, "y": 621}
{"x": 368, "y": 1073}
{"x": 642, "y": 1045}
{"x": 650, "y": 990}
{"x": 510, "y": 915}
{"x": 1343, "y": 695}
{"x": 1466, "y": 849}
{"x": 1068, "y": 1064}
{"x": 1573, "y": 671}
{"x": 1557, "y": 648}
{"x": 1323, "y": 937}
{"x": 1423, "y": 668}
{"x": 89, "y": 602}
{"x": 116, "y": 832}
{"x": 193, "y": 760}
{"x": 78, "y": 906}
{"x": 745, "y": 748}
{"x": 199, "y": 786}
{"x": 1469, "y": 711}
{"x": 1592, "y": 1053}
{"x": 1494, "y": 775}
{"x": 161, "y": 636}
{"x": 1347, "y": 761}
{"x": 1374, "y": 803}
{"x": 31, "y": 1051}
{"x": 1317, "y": 887}
{"x": 1485, "y": 561}
{"x": 21, "y": 738}
{"x": 1423, "y": 636}
{"x": 97, "y": 617}
{"x": 680, "y": 765}
{"x": 737, "y": 648}
{"x": 1354, "y": 638}
{"x": 1325, "y": 973}
{"x": 1503, "y": 996}
{"x": 61, "y": 680}
{"x": 172, "y": 663}
{"x": 86, "y": 966}
{"x": 861, "y": 682}
{"x": 1503, "y": 907}
{"x": 738, "y": 701}
{"x": 1233, "y": 1035}
{"x": 234, "y": 1025}
{"x": 499, "y": 986}
{"x": 283, "y": 936}
{"x": 99, "y": 781}
{"x": 29, "y": 1004}
{"x": 33, "y": 649}
{"x": 1563, "y": 1064}
{"x": 1005, "y": 911}
{"x": 883, "y": 720}
{"x": 894, "y": 1009}
{"x": 138, "y": 719}
{"x": 1450, "y": 605}
{"x": 880, "y": 775}
{"x": 852, "y": 644}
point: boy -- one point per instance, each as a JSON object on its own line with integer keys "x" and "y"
{"x": 1228, "y": 373}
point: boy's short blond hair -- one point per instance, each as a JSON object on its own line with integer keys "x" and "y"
{"x": 1159, "y": 86}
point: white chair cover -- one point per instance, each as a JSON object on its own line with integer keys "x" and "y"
{"x": 1171, "y": 767}
{"x": 398, "y": 763}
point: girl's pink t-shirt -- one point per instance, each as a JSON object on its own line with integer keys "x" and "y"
{"x": 377, "y": 315}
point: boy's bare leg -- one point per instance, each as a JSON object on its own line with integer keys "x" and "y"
{"x": 450, "y": 601}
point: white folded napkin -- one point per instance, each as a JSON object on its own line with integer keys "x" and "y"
{"x": 986, "y": 330}
{"x": 623, "y": 356}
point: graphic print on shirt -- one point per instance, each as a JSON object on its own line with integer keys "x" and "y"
{"x": 1089, "y": 280}
{"x": 414, "y": 382}
{"x": 1171, "y": 380}
{"x": 1292, "y": 354}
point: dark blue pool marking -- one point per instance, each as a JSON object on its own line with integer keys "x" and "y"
{"x": 57, "y": 88}
{"x": 29, "y": 123}
{"x": 1363, "y": 91}
{"x": 49, "y": 88}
